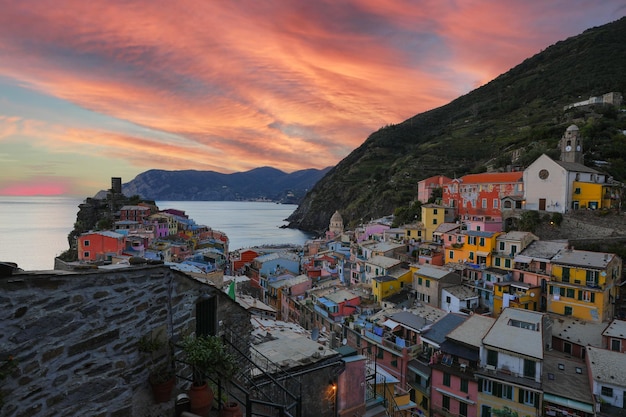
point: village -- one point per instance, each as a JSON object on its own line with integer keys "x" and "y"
{"x": 456, "y": 314}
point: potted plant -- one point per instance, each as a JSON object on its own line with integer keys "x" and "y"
{"x": 161, "y": 376}
{"x": 207, "y": 355}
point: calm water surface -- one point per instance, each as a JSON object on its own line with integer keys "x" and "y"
{"x": 33, "y": 230}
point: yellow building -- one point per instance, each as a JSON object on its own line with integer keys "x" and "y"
{"x": 386, "y": 285}
{"x": 432, "y": 216}
{"x": 592, "y": 195}
{"x": 414, "y": 232}
{"x": 517, "y": 295}
{"x": 584, "y": 284}
{"x": 473, "y": 247}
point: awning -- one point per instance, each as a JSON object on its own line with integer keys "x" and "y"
{"x": 523, "y": 259}
{"x": 480, "y": 253}
{"x": 566, "y": 402}
{"x": 391, "y": 324}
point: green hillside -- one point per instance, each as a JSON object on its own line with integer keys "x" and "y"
{"x": 520, "y": 113}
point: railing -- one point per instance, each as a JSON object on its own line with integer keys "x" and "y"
{"x": 260, "y": 385}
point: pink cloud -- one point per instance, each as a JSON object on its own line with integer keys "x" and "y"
{"x": 234, "y": 85}
{"x": 36, "y": 188}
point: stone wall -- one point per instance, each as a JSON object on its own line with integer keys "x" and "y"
{"x": 75, "y": 336}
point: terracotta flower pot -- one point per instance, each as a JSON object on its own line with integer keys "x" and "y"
{"x": 200, "y": 399}
{"x": 162, "y": 392}
{"x": 231, "y": 409}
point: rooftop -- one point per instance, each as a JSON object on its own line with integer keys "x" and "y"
{"x": 383, "y": 261}
{"x": 544, "y": 249}
{"x": 566, "y": 377}
{"x": 584, "y": 333}
{"x": 607, "y": 366}
{"x": 431, "y": 271}
{"x": 616, "y": 329}
{"x": 518, "y": 331}
{"x": 286, "y": 344}
{"x": 439, "y": 330}
{"x": 472, "y": 330}
{"x": 583, "y": 258}
{"x": 462, "y": 292}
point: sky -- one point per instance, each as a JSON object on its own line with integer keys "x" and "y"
{"x": 96, "y": 89}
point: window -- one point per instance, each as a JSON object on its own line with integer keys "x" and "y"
{"x": 435, "y": 211}
{"x": 448, "y": 299}
{"x": 86, "y": 254}
{"x": 502, "y": 246}
{"x": 484, "y": 203}
{"x": 86, "y": 243}
{"x": 507, "y": 392}
{"x": 527, "y": 397}
{"x": 567, "y": 347}
{"x": 464, "y": 385}
{"x": 487, "y": 386}
{"x": 427, "y": 283}
{"x": 471, "y": 256}
{"x": 507, "y": 263}
{"x": 463, "y": 409}
{"x": 577, "y": 190}
{"x": 445, "y": 402}
{"x": 529, "y": 368}
{"x": 592, "y": 277}
{"x": 446, "y": 379}
{"x": 434, "y": 221}
{"x": 471, "y": 240}
{"x": 481, "y": 241}
{"x": 587, "y": 296}
{"x": 497, "y": 261}
{"x": 568, "y": 311}
{"x": 495, "y": 203}
{"x": 485, "y": 411}
{"x": 419, "y": 280}
{"x": 565, "y": 276}
{"x": 616, "y": 345}
{"x": 492, "y": 357}
{"x": 570, "y": 293}
{"x": 607, "y": 391}
{"x": 451, "y": 254}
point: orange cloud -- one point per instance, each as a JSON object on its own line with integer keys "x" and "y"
{"x": 230, "y": 86}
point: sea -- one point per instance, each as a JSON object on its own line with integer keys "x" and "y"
{"x": 34, "y": 230}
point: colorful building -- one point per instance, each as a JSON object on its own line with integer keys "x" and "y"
{"x": 480, "y": 194}
{"x": 429, "y": 280}
{"x": 584, "y": 284}
{"x": 511, "y": 362}
{"x": 98, "y": 246}
{"x": 432, "y": 216}
{"x": 426, "y": 187}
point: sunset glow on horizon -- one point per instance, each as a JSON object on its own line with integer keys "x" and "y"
{"x": 101, "y": 89}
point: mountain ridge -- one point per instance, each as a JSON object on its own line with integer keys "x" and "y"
{"x": 511, "y": 120}
{"x": 263, "y": 183}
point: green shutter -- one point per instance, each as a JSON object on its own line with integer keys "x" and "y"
{"x": 593, "y": 297}
{"x": 580, "y": 295}
{"x": 521, "y": 395}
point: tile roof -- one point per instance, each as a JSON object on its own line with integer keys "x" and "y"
{"x": 544, "y": 249}
{"x": 607, "y": 366}
{"x": 583, "y": 258}
{"x": 506, "y": 335}
{"x": 580, "y": 332}
{"x": 438, "y": 331}
{"x": 564, "y": 380}
{"x": 472, "y": 330}
{"x": 616, "y": 329}
{"x": 493, "y": 177}
{"x": 431, "y": 271}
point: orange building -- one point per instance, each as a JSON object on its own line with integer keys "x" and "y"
{"x": 480, "y": 194}
{"x": 98, "y": 246}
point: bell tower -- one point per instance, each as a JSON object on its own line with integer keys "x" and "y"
{"x": 572, "y": 145}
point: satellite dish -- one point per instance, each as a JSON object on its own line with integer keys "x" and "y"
{"x": 315, "y": 334}
{"x": 344, "y": 341}
{"x": 532, "y": 294}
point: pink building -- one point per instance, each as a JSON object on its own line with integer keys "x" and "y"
{"x": 134, "y": 213}
{"x": 426, "y": 186}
